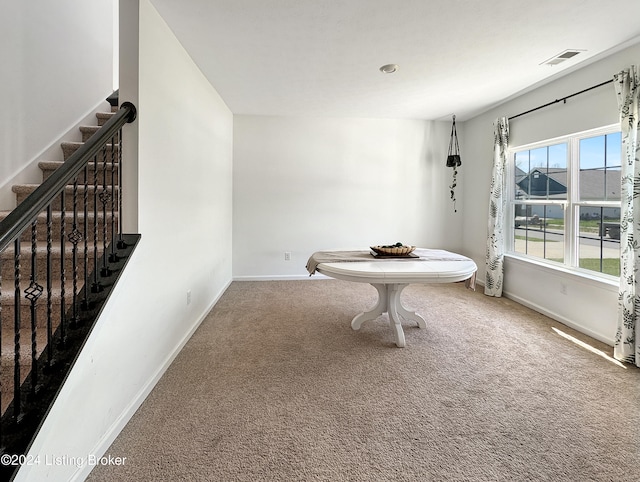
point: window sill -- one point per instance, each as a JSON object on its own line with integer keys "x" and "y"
{"x": 608, "y": 282}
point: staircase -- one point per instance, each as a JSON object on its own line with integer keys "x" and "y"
{"x": 71, "y": 254}
{"x": 7, "y": 267}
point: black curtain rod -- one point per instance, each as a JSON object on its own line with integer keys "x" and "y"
{"x": 563, "y": 99}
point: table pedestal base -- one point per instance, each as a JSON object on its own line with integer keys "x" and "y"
{"x": 389, "y": 302}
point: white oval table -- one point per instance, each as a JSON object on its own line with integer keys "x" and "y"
{"x": 389, "y": 277}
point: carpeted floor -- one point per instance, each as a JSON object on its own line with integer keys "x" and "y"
{"x": 276, "y": 386}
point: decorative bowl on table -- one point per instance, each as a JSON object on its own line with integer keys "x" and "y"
{"x": 397, "y": 249}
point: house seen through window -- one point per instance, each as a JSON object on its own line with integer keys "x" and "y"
{"x": 565, "y": 201}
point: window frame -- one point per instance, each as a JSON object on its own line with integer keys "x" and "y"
{"x": 569, "y": 206}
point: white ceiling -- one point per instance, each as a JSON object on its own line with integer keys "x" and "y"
{"x": 321, "y": 57}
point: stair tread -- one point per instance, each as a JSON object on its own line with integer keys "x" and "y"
{"x": 16, "y": 188}
{"x": 41, "y": 249}
{"x": 92, "y": 164}
{"x": 57, "y": 214}
{"x": 80, "y": 143}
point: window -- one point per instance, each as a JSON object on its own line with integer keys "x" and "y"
{"x": 565, "y": 201}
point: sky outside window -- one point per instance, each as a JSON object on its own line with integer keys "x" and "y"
{"x": 601, "y": 151}
{"x": 551, "y": 157}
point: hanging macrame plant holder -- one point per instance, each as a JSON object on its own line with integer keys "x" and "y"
{"x": 453, "y": 160}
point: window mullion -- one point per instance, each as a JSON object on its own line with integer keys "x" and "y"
{"x": 571, "y": 224}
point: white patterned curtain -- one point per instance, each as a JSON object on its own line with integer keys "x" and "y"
{"x": 497, "y": 204}
{"x": 626, "y": 347}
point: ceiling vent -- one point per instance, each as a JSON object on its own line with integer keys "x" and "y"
{"x": 561, "y": 57}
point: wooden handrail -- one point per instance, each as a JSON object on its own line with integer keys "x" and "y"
{"x": 24, "y": 214}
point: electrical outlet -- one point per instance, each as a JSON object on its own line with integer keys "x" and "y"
{"x": 287, "y": 256}
{"x": 188, "y": 297}
{"x": 563, "y": 288}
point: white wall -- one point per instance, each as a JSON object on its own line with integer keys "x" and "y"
{"x": 57, "y": 68}
{"x": 306, "y": 184}
{"x": 185, "y": 181}
{"x": 587, "y": 305}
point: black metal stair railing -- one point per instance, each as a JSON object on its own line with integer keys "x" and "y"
{"x": 85, "y": 189}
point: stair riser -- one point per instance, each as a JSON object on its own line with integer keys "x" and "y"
{"x": 8, "y": 311}
{"x": 103, "y": 117}
{"x": 111, "y": 177}
{"x": 7, "y": 270}
{"x": 7, "y": 360}
{"x": 87, "y": 132}
{"x": 22, "y": 195}
{"x": 41, "y": 231}
{"x": 109, "y": 153}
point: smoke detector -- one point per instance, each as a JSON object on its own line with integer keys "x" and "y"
{"x": 561, "y": 57}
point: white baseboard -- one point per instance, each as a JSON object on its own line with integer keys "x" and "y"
{"x": 559, "y": 318}
{"x": 281, "y": 277}
{"x": 103, "y": 445}
{"x": 553, "y": 316}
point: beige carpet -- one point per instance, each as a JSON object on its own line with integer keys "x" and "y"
{"x": 275, "y": 386}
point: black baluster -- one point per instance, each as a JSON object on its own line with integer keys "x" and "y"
{"x": 85, "y": 301}
{"x": 32, "y": 293}
{"x": 121, "y": 243}
{"x": 96, "y": 287}
{"x": 63, "y": 271}
{"x": 16, "y": 328}
{"x": 75, "y": 237}
{"x": 104, "y": 199}
{"x": 49, "y": 287}
{"x": 113, "y": 255}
